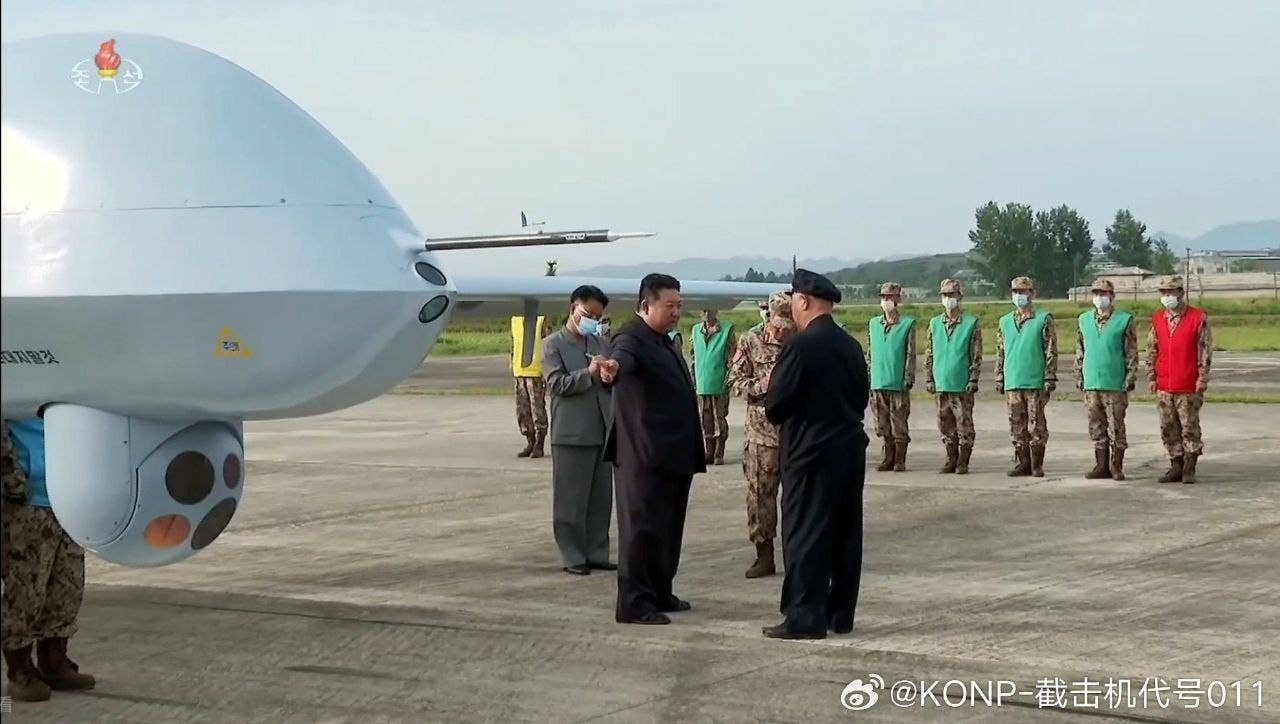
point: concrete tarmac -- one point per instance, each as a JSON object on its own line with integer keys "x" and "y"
{"x": 394, "y": 562}
{"x": 1237, "y": 373}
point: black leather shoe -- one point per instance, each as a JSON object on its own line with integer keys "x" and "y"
{"x": 602, "y": 566}
{"x": 782, "y": 632}
{"x": 579, "y": 570}
{"x": 840, "y": 626}
{"x": 676, "y": 605}
{"x": 649, "y": 619}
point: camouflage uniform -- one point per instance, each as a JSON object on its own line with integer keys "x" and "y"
{"x": 531, "y": 403}
{"x": 1180, "y": 412}
{"x": 43, "y": 573}
{"x": 753, "y": 360}
{"x": 1028, "y": 427}
{"x": 531, "y": 406}
{"x": 1106, "y": 409}
{"x": 955, "y": 409}
{"x": 891, "y": 409}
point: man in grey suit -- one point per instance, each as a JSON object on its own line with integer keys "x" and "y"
{"x": 582, "y": 481}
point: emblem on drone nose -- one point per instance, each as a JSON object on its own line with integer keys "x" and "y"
{"x": 106, "y": 69}
{"x": 107, "y": 59}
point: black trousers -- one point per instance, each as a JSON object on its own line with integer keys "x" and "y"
{"x": 822, "y": 542}
{"x": 651, "y": 512}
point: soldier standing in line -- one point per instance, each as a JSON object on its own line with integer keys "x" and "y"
{"x": 891, "y": 354}
{"x": 1026, "y": 374}
{"x": 1106, "y": 371}
{"x": 749, "y": 372}
{"x": 1179, "y": 355}
{"x": 43, "y": 571}
{"x": 952, "y": 364}
{"x": 531, "y": 388}
{"x": 713, "y": 343}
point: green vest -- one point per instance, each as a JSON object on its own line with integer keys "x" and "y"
{"x": 1024, "y": 352}
{"x": 1104, "y": 359}
{"x": 711, "y": 359}
{"x": 951, "y": 353}
{"x": 889, "y": 354}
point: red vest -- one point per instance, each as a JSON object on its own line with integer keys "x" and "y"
{"x": 1177, "y": 359}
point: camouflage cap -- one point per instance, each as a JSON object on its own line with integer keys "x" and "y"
{"x": 1022, "y": 283}
{"x": 779, "y": 305}
{"x": 1103, "y": 285}
{"x": 890, "y": 288}
{"x": 1170, "y": 283}
{"x": 950, "y": 286}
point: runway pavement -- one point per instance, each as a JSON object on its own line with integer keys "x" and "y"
{"x": 1241, "y": 373}
{"x": 394, "y": 562}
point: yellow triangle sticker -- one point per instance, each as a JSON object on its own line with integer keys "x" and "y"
{"x": 230, "y": 345}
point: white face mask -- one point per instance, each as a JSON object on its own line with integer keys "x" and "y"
{"x": 1021, "y": 300}
{"x": 888, "y": 305}
{"x": 1101, "y": 302}
{"x": 950, "y": 303}
{"x": 1169, "y": 301}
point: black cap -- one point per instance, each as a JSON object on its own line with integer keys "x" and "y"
{"x": 815, "y": 285}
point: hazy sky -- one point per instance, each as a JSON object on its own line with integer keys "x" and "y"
{"x": 740, "y": 127}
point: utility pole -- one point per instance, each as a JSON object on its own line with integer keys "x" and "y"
{"x": 1187, "y": 274}
{"x": 1075, "y": 265}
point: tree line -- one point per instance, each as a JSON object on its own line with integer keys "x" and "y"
{"x": 755, "y": 276}
{"x": 1056, "y": 248}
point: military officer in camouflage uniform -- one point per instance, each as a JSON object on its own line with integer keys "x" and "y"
{"x": 753, "y": 360}
{"x": 1106, "y": 371}
{"x": 952, "y": 365}
{"x": 43, "y": 572}
{"x": 1026, "y": 374}
{"x": 891, "y": 357}
{"x": 1179, "y": 355}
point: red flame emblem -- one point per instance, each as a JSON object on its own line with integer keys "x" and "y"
{"x": 107, "y": 60}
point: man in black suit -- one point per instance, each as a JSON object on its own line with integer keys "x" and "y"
{"x": 655, "y": 444}
{"x": 818, "y": 393}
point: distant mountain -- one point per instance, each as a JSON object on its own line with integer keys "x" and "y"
{"x": 915, "y": 271}
{"x": 712, "y": 269}
{"x": 1175, "y": 240}
{"x": 1243, "y": 236}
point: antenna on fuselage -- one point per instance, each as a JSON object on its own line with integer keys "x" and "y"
{"x": 524, "y": 222}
